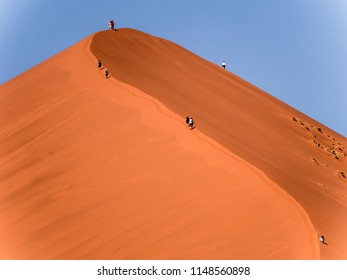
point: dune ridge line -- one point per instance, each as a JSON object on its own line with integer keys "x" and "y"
{"x": 161, "y": 108}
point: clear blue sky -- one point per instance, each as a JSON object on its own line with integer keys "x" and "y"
{"x": 296, "y": 50}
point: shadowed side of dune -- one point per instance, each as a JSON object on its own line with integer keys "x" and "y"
{"x": 299, "y": 155}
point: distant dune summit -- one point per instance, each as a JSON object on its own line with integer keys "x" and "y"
{"x": 98, "y": 165}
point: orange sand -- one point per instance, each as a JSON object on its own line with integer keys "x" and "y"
{"x": 95, "y": 168}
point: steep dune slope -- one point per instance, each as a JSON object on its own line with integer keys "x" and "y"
{"x": 304, "y": 157}
{"x": 95, "y": 168}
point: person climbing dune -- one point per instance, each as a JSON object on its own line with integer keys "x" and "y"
{"x": 106, "y": 73}
{"x": 111, "y": 25}
{"x": 322, "y": 239}
{"x": 99, "y": 64}
{"x": 187, "y": 121}
{"x": 191, "y": 123}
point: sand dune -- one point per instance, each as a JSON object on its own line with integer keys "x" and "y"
{"x": 96, "y": 168}
{"x": 245, "y": 120}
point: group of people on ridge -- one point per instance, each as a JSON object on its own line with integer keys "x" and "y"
{"x": 189, "y": 121}
{"x": 110, "y": 27}
{"x": 107, "y": 75}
